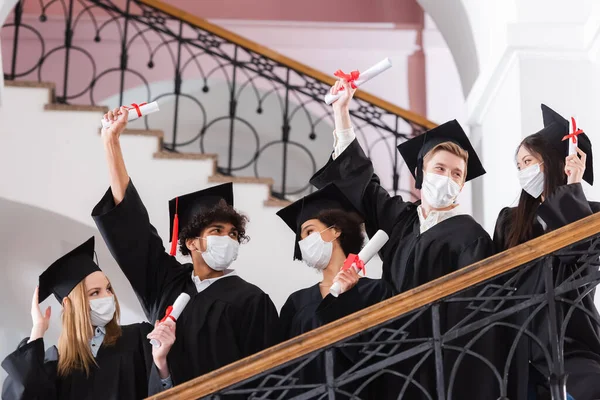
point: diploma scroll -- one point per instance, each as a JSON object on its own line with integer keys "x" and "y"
{"x": 135, "y": 112}
{"x": 173, "y": 312}
{"x": 378, "y": 240}
{"x": 572, "y": 137}
{"x": 363, "y": 78}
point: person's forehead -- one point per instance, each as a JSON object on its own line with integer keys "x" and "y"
{"x": 448, "y": 159}
{"x": 312, "y": 221}
{"x": 222, "y": 224}
{"x": 96, "y": 279}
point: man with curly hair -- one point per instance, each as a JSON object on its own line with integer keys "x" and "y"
{"x": 227, "y": 318}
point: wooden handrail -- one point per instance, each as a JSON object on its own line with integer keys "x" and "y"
{"x": 384, "y": 311}
{"x": 280, "y": 58}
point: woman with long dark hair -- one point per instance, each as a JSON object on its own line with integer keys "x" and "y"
{"x": 553, "y": 197}
{"x": 96, "y": 358}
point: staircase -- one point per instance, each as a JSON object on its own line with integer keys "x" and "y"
{"x": 220, "y": 94}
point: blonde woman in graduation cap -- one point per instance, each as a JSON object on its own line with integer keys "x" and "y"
{"x": 96, "y": 357}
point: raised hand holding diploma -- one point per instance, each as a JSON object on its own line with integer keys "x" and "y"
{"x": 137, "y": 111}
{"x": 356, "y": 78}
{"x": 357, "y": 263}
{"x": 116, "y": 123}
{"x": 41, "y": 322}
{"x": 575, "y": 166}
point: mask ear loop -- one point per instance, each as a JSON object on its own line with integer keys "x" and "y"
{"x": 326, "y": 229}
{"x": 198, "y": 250}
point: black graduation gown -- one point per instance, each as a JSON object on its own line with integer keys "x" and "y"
{"x": 411, "y": 259}
{"x": 582, "y": 336}
{"x": 226, "y": 322}
{"x": 122, "y": 373}
{"x": 306, "y": 310}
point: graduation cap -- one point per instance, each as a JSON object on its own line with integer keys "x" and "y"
{"x": 65, "y": 273}
{"x": 414, "y": 150}
{"x": 329, "y": 197}
{"x": 556, "y": 128}
{"x": 184, "y": 208}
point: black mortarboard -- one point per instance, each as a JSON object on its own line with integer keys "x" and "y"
{"x": 415, "y": 149}
{"x": 66, "y": 272}
{"x": 184, "y": 208}
{"x": 556, "y": 128}
{"x": 329, "y": 197}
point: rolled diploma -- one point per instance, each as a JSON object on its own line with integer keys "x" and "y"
{"x": 378, "y": 240}
{"x": 133, "y": 115}
{"x": 363, "y": 77}
{"x": 572, "y": 145}
{"x": 178, "y": 307}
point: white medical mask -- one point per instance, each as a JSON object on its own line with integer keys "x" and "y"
{"x": 220, "y": 252}
{"x": 439, "y": 191}
{"x": 316, "y": 253}
{"x": 102, "y": 310}
{"x": 532, "y": 180}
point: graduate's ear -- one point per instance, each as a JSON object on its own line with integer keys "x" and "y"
{"x": 336, "y": 232}
{"x": 192, "y": 244}
{"x": 66, "y": 303}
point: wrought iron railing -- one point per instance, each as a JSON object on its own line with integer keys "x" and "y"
{"x": 261, "y": 112}
{"x": 516, "y": 291}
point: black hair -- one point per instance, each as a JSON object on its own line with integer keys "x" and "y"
{"x": 222, "y": 212}
{"x": 349, "y": 224}
{"x": 523, "y": 217}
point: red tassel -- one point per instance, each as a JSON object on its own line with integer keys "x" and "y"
{"x": 175, "y": 237}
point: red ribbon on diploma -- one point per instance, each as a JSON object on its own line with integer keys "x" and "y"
{"x": 351, "y": 77}
{"x": 354, "y": 259}
{"x": 136, "y": 107}
{"x": 573, "y": 135}
{"x": 168, "y": 315}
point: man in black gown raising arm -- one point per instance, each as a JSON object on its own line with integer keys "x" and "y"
{"x": 227, "y": 318}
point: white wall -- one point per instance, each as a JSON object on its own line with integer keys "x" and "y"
{"x": 543, "y": 52}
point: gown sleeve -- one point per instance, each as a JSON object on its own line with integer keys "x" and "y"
{"x": 288, "y": 311}
{"x": 354, "y": 300}
{"x": 501, "y": 231}
{"x": 566, "y": 205}
{"x": 136, "y": 246}
{"x": 30, "y": 374}
{"x": 154, "y": 381}
{"x": 352, "y": 172}
{"x": 261, "y": 327}
{"x": 479, "y": 249}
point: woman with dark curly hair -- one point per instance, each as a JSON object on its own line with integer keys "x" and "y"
{"x": 328, "y": 229}
{"x": 226, "y": 318}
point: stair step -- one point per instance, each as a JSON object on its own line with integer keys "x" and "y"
{"x": 218, "y": 178}
{"x": 75, "y": 107}
{"x": 184, "y": 156}
{"x": 159, "y": 134}
{"x": 275, "y": 202}
{"x": 34, "y": 84}
{"x": 144, "y": 132}
{"x": 30, "y": 84}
